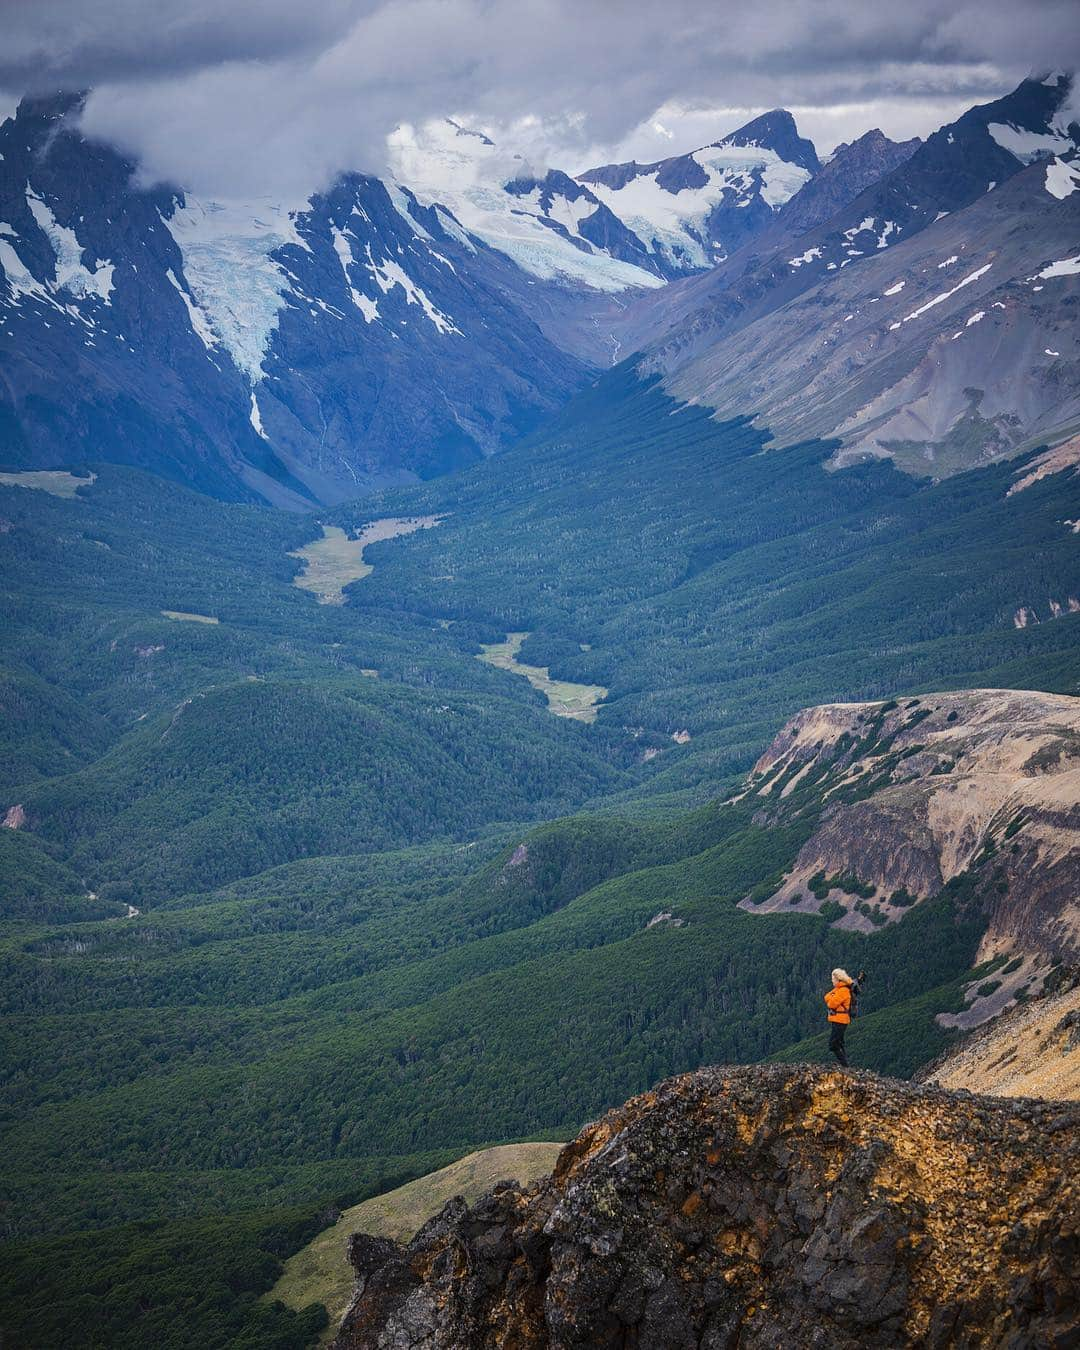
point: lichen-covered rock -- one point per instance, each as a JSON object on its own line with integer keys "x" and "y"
{"x": 757, "y": 1207}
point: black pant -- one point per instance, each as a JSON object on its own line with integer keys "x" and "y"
{"x": 836, "y": 1042}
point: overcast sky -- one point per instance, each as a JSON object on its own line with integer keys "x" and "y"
{"x": 278, "y": 96}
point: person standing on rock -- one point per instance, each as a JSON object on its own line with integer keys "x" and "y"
{"x": 840, "y": 1001}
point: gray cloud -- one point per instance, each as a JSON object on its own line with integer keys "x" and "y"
{"x": 272, "y": 96}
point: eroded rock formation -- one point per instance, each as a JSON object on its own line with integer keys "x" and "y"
{"x": 921, "y": 790}
{"x": 756, "y": 1207}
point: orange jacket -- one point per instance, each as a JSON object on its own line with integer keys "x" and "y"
{"x": 838, "y": 1001}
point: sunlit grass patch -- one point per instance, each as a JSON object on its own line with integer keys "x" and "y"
{"x": 337, "y": 559}
{"x": 565, "y": 699}
{"x": 185, "y": 617}
{"x": 56, "y": 482}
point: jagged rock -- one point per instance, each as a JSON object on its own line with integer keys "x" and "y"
{"x": 756, "y": 1207}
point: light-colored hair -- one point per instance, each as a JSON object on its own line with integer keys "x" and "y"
{"x": 841, "y": 977}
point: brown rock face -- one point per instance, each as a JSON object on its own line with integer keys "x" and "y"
{"x": 920, "y": 791}
{"x": 757, "y": 1207}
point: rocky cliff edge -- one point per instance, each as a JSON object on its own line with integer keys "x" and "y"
{"x": 757, "y": 1207}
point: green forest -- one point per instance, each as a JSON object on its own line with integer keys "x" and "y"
{"x": 302, "y": 903}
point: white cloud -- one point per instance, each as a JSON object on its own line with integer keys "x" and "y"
{"x": 272, "y": 96}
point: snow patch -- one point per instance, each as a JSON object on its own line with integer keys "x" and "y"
{"x": 572, "y": 214}
{"x": 453, "y": 229}
{"x": 808, "y": 256}
{"x": 895, "y": 290}
{"x": 227, "y": 247}
{"x": 939, "y": 299}
{"x": 400, "y": 203}
{"x": 1026, "y": 145}
{"x": 256, "y": 417}
{"x": 368, "y": 308}
{"x": 71, "y": 274}
{"x": 865, "y": 224}
{"x": 1062, "y": 179}
{"x": 389, "y": 274}
{"x": 1065, "y": 267}
{"x": 196, "y": 317}
{"x": 979, "y": 314}
{"x": 20, "y": 279}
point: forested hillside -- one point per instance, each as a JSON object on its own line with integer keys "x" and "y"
{"x": 714, "y": 586}
{"x": 313, "y": 1033}
{"x": 280, "y": 917}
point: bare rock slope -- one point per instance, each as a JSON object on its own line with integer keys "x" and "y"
{"x": 1032, "y": 1050}
{"x": 920, "y": 791}
{"x": 757, "y": 1207}
{"x": 929, "y": 320}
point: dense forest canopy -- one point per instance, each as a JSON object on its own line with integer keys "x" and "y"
{"x": 311, "y": 898}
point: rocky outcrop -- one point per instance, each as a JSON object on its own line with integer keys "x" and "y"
{"x": 756, "y": 1207}
{"x": 919, "y": 791}
{"x": 850, "y": 170}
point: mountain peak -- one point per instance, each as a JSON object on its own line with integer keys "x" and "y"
{"x": 694, "y": 210}
{"x": 1035, "y": 120}
{"x": 776, "y": 130}
{"x": 469, "y": 131}
{"x": 51, "y": 107}
{"x": 849, "y": 170}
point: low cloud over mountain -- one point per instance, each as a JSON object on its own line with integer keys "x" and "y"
{"x": 222, "y": 99}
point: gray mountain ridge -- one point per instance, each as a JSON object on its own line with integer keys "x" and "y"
{"x": 851, "y": 328}
{"x": 369, "y": 339}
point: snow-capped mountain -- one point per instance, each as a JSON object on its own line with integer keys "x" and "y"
{"x": 619, "y": 227}
{"x": 575, "y": 214}
{"x": 848, "y": 172}
{"x": 246, "y": 348}
{"x": 378, "y": 332}
{"x": 552, "y": 227}
{"x": 692, "y": 211}
{"x": 931, "y": 319}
